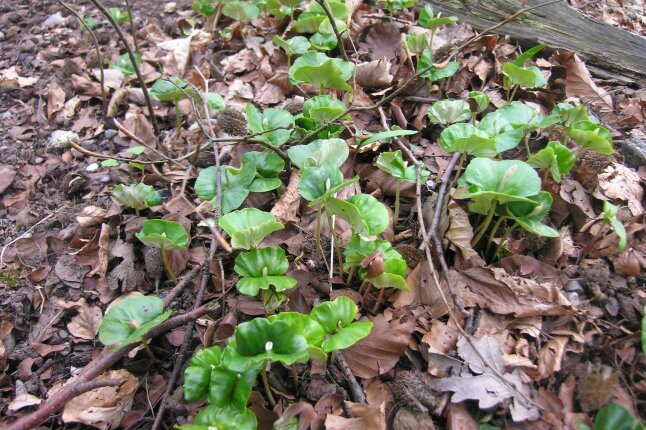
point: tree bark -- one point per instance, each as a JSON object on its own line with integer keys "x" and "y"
{"x": 618, "y": 52}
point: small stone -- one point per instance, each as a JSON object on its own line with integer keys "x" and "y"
{"x": 573, "y": 285}
{"x": 38, "y": 160}
{"x": 634, "y": 152}
{"x": 59, "y": 141}
{"x": 92, "y": 167}
{"x": 63, "y": 334}
{"x": 76, "y": 154}
{"x": 54, "y": 20}
{"x": 105, "y": 179}
{"x": 2, "y": 36}
{"x": 109, "y": 134}
{"x": 87, "y": 144}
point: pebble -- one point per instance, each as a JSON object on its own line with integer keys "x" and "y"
{"x": 76, "y": 154}
{"x": 573, "y": 285}
{"x": 54, "y": 20}
{"x": 110, "y": 133}
{"x": 63, "y": 334}
{"x": 105, "y": 178}
{"x": 92, "y": 167}
{"x": 38, "y": 160}
{"x": 2, "y": 36}
{"x": 59, "y": 141}
{"x": 87, "y": 144}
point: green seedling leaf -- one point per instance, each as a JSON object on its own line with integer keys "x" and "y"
{"x": 522, "y": 58}
{"x": 240, "y": 11}
{"x": 137, "y": 196}
{"x": 615, "y": 417}
{"x": 323, "y": 108}
{"x": 592, "y": 137}
{"x": 428, "y": 20}
{"x": 224, "y": 418}
{"x": 323, "y": 41}
{"x": 489, "y": 181}
{"x": 358, "y": 249}
{"x": 171, "y": 90}
{"x": 118, "y": 15}
{"x": 321, "y": 71}
{"x": 318, "y": 152}
{"x": 163, "y": 234}
{"x": 317, "y": 182}
{"x": 110, "y": 162}
{"x": 292, "y": 4}
{"x": 261, "y": 269}
{"x": 259, "y": 340}
{"x": 416, "y": 42}
{"x": 447, "y": 112}
{"x": 510, "y": 123}
{"x": 530, "y": 216}
{"x": 204, "y": 7}
{"x": 136, "y": 150}
{"x": 124, "y": 64}
{"x": 395, "y": 5}
{"x": 435, "y": 73}
{"x": 610, "y": 216}
{"x": 480, "y": 99}
{"x": 390, "y": 280}
{"x": 268, "y": 120}
{"x": 348, "y": 212}
{"x": 248, "y": 227}
{"x": 524, "y": 77}
{"x": 373, "y": 212}
{"x": 268, "y": 166}
{"x": 393, "y": 163}
{"x": 297, "y": 45}
{"x": 555, "y": 158}
{"x": 236, "y": 185}
{"x": 468, "y": 139}
{"x": 306, "y": 327}
{"x": 337, "y": 320}
{"x": 309, "y": 22}
{"x": 205, "y": 377}
{"x": 567, "y": 115}
{"x": 384, "y": 136}
{"x": 214, "y": 102}
{"x": 130, "y": 319}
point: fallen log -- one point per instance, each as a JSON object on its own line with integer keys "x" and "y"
{"x": 618, "y": 53}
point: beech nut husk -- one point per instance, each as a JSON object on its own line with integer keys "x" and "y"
{"x": 374, "y": 263}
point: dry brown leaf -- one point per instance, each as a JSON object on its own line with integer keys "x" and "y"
{"x": 90, "y": 216}
{"x": 374, "y": 74}
{"x": 43, "y": 349}
{"x": 85, "y": 325}
{"x": 442, "y": 338}
{"x": 459, "y": 418}
{"x": 618, "y": 182}
{"x": 102, "y": 407}
{"x": 22, "y": 401}
{"x": 505, "y": 294}
{"x": 10, "y": 80}
{"x": 365, "y": 417}
{"x": 486, "y": 386}
{"x": 287, "y": 207}
{"x": 383, "y": 41}
{"x": 7, "y": 175}
{"x": 460, "y": 231}
{"x": 597, "y": 386}
{"x": 550, "y": 357}
{"x": 55, "y": 98}
{"x": 113, "y": 78}
{"x": 578, "y": 83}
{"x": 377, "y": 353}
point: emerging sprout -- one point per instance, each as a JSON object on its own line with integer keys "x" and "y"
{"x": 165, "y": 235}
{"x": 136, "y": 196}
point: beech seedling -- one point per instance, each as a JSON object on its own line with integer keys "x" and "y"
{"x": 321, "y": 71}
{"x": 137, "y": 196}
{"x": 248, "y": 227}
{"x": 337, "y": 320}
{"x": 130, "y": 319}
{"x": 165, "y": 235}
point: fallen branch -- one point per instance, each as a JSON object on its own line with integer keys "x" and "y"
{"x": 177, "y": 289}
{"x": 97, "y": 367}
{"x": 355, "y": 389}
{"x": 188, "y": 335}
{"x": 133, "y": 60}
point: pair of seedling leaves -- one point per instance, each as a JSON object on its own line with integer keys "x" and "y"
{"x": 237, "y": 10}
{"x": 504, "y": 128}
{"x": 225, "y": 377}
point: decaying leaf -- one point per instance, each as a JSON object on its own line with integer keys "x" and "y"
{"x": 489, "y": 384}
{"x": 363, "y": 417}
{"x": 620, "y": 183}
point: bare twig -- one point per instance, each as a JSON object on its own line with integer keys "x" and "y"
{"x": 133, "y": 60}
{"x": 355, "y": 389}
{"x": 140, "y": 141}
{"x": 133, "y": 30}
{"x": 100, "y": 156}
{"x": 177, "y": 289}
{"x": 97, "y": 367}
{"x": 97, "y": 49}
{"x": 188, "y": 335}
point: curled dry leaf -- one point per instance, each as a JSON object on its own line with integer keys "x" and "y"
{"x": 578, "y": 82}
{"x": 102, "y": 407}
{"x": 506, "y": 294}
{"x": 287, "y": 206}
{"x": 460, "y": 232}
{"x": 551, "y": 356}
{"x": 620, "y": 183}
{"x": 374, "y": 74}
{"x": 7, "y": 175}
{"x": 364, "y": 417}
{"x": 377, "y": 353}
{"x": 90, "y": 216}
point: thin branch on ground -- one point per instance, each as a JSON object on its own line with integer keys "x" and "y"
{"x": 97, "y": 49}
{"x": 140, "y": 141}
{"x": 100, "y": 156}
{"x": 97, "y": 367}
{"x": 183, "y": 283}
{"x": 355, "y": 389}
{"x": 133, "y": 29}
{"x": 22, "y": 236}
{"x": 188, "y": 335}
{"x": 133, "y": 60}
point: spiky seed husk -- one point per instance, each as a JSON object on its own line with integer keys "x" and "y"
{"x": 232, "y": 122}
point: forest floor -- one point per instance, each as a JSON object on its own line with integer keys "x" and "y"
{"x": 558, "y": 319}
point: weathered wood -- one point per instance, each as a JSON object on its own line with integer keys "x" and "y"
{"x": 560, "y": 27}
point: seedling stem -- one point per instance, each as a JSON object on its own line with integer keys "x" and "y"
{"x": 265, "y": 383}
{"x": 167, "y": 267}
{"x": 396, "y": 216}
